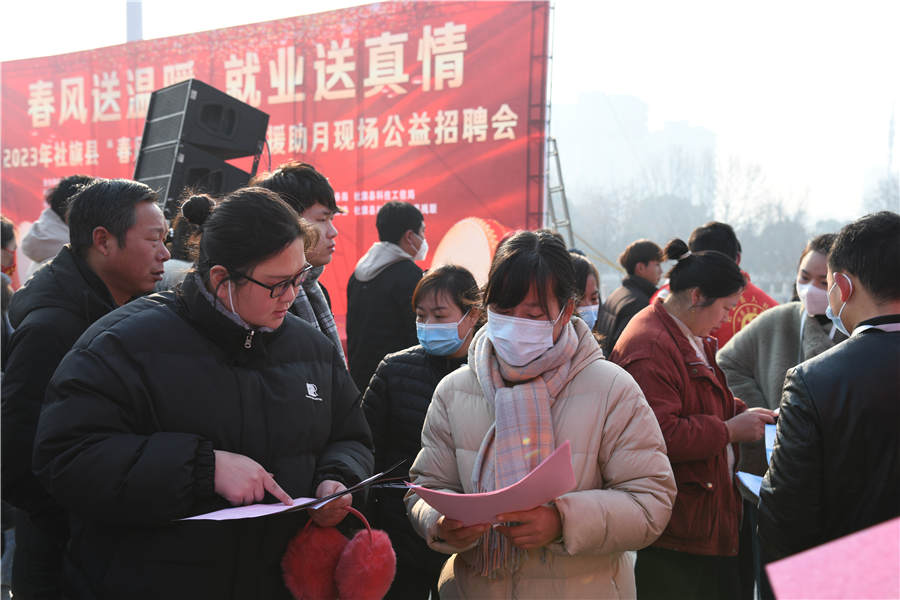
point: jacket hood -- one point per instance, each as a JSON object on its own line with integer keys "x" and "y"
{"x": 67, "y": 282}
{"x": 46, "y": 237}
{"x": 379, "y": 257}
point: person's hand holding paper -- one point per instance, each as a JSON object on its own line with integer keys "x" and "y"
{"x": 458, "y": 535}
{"x": 533, "y": 528}
{"x": 332, "y": 512}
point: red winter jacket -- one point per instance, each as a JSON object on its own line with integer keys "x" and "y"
{"x": 752, "y": 302}
{"x": 691, "y": 403}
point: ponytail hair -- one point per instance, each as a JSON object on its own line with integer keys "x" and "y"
{"x": 712, "y": 272}
{"x": 247, "y": 227}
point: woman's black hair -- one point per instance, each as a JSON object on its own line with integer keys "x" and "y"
{"x": 59, "y": 196}
{"x": 821, "y": 244}
{"x": 455, "y": 281}
{"x": 712, "y": 272}
{"x": 247, "y": 227}
{"x": 185, "y": 237}
{"x": 7, "y": 232}
{"x": 583, "y": 269}
{"x": 530, "y": 258}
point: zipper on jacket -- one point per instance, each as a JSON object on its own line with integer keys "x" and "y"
{"x": 248, "y": 343}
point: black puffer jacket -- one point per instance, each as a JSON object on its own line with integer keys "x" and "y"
{"x": 49, "y": 313}
{"x": 835, "y": 468}
{"x": 621, "y": 306}
{"x": 395, "y": 403}
{"x": 380, "y": 317}
{"x": 125, "y": 443}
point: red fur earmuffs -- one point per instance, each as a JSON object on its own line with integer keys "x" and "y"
{"x": 321, "y": 564}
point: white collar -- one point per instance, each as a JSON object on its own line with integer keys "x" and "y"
{"x": 884, "y": 327}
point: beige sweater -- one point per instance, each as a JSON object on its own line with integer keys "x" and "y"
{"x": 756, "y": 359}
{"x": 624, "y": 484}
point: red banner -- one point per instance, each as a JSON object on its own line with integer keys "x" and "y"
{"x": 441, "y": 104}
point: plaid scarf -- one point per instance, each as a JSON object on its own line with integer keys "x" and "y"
{"x": 522, "y": 433}
{"x": 311, "y": 306}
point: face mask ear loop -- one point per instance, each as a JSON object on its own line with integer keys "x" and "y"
{"x": 562, "y": 310}
{"x": 470, "y": 328}
{"x": 850, "y": 283}
{"x": 230, "y": 301}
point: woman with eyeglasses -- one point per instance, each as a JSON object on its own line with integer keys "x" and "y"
{"x": 187, "y": 402}
{"x": 447, "y": 303}
{"x": 535, "y": 378}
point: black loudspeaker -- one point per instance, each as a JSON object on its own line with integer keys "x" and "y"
{"x": 190, "y": 130}
{"x": 170, "y": 168}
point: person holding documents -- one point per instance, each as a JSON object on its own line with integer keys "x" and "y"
{"x": 447, "y": 302}
{"x": 536, "y": 379}
{"x": 187, "y": 402}
{"x": 755, "y": 361}
{"x": 835, "y": 468}
{"x": 668, "y": 349}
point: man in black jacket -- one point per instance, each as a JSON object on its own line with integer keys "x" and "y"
{"x": 836, "y": 464}
{"x": 641, "y": 261}
{"x": 116, "y": 252}
{"x": 380, "y": 318}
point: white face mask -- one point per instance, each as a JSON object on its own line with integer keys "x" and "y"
{"x": 519, "y": 341}
{"x": 814, "y": 299}
{"x": 422, "y": 252}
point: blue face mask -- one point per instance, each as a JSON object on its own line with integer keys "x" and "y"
{"x": 588, "y": 314}
{"x": 440, "y": 339}
{"x": 836, "y": 319}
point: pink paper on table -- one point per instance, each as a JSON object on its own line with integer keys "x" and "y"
{"x": 865, "y": 564}
{"x": 549, "y": 480}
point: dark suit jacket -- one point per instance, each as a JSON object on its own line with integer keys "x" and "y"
{"x": 836, "y": 464}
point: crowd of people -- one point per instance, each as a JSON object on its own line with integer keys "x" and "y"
{"x": 155, "y": 371}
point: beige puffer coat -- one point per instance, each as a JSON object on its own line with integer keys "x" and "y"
{"x": 624, "y": 484}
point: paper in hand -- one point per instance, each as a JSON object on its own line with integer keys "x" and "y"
{"x": 549, "y": 480}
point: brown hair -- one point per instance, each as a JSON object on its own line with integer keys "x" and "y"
{"x": 641, "y": 251}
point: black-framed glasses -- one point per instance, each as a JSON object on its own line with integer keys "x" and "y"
{"x": 277, "y": 290}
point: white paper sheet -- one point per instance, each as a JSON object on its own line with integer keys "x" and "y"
{"x": 261, "y": 510}
{"x": 250, "y": 511}
{"x": 770, "y": 441}
{"x": 751, "y": 481}
{"x": 549, "y": 480}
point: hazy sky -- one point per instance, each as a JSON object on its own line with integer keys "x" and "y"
{"x": 805, "y": 89}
